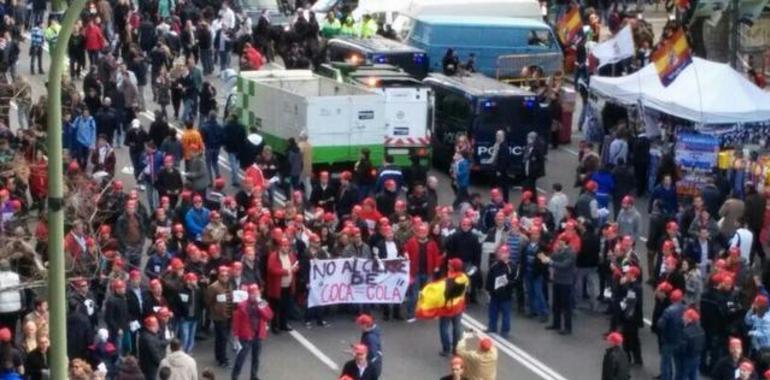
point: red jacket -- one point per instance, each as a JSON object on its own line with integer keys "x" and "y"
{"x": 71, "y": 246}
{"x": 274, "y": 273}
{"x": 412, "y": 249}
{"x": 242, "y": 324}
{"x": 255, "y": 173}
{"x": 94, "y": 37}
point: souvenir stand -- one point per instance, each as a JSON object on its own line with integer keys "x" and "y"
{"x": 711, "y": 116}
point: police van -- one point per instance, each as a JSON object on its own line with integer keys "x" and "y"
{"x": 378, "y": 50}
{"x": 478, "y": 106}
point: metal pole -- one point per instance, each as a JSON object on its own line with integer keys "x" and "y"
{"x": 57, "y": 297}
{"x": 734, "y": 38}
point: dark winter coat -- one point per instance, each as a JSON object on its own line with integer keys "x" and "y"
{"x": 615, "y": 365}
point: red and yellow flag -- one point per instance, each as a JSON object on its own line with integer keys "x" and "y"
{"x": 569, "y": 26}
{"x": 671, "y": 57}
{"x": 442, "y": 298}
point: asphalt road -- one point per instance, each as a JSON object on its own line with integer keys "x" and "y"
{"x": 411, "y": 350}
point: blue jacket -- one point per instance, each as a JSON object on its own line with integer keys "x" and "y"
{"x": 10, "y": 375}
{"x": 85, "y": 131}
{"x": 372, "y": 340}
{"x": 389, "y": 172}
{"x": 196, "y": 221}
{"x": 213, "y": 135}
{"x": 670, "y": 325}
{"x": 606, "y": 186}
{"x": 759, "y": 329}
{"x": 668, "y": 200}
{"x": 463, "y": 174}
{"x": 156, "y": 265}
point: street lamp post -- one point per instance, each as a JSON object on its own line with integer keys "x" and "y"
{"x": 57, "y": 297}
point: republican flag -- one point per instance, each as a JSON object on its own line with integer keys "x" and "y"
{"x": 671, "y": 57}
{"x": 569, "y": 26}
{"x": 442, "y": 298}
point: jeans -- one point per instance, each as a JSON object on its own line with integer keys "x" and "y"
{"x": 414, "y": 293}
{"x": 187, "y": 329}
{"x": 93, "y": 58}
{"x": 207, "y": 60}
{"x": 190, "y": 106}
{"x": 221, "y": 335}
{"x": 589, "y": 276}
{"x": 687, "y": 367}
{"x": 500, "y": 307}
{"x": 80, "y": 154}
{"x": 224, "y": 60}
{"x": 152, "y": 195}
{"x": 134, "y": 255}
{"x": 212, "y": 162}
{"x": 562, "y": 306}
{"x": 22, "y": 112}
{"x": 235, "y": 165}
{"x": 36, "y": 54}
{"x": 443, "y": 329}
{"x": 667, "y": 361}
{"x": 715, "y": 349}
{"x": 255, "y": 346}
{"x": 136, "y": 162}
{"x": 535, "y": 295}
{"x": 281, "y": 309}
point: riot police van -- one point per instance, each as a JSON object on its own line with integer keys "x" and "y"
{"x": 478, "y": 106}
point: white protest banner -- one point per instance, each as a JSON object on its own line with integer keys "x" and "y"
{"x": 357, "y": 281}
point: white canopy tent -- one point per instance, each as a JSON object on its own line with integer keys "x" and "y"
{"x": 705, "y": 92}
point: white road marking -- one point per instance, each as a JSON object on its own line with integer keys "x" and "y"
{"x": 570, "y": 151}
{"x": 647, "y": 322}
{"x": 521, "y": 356}
{"x": 314, "y": 350}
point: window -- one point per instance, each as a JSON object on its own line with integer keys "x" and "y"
{"x": 540, "y": 38}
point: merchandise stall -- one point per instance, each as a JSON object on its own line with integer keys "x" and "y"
{"x": 711, "y": 116}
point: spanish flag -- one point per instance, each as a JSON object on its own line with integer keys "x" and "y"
{"x": 442, "y": 298}
{"x": 672, "y": 56}
{"x": 569, "y": 26}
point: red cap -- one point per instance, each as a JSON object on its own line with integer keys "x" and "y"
{"x": 691, "y": 315}
{"x": 761, "y": 300}
{"x": 390, "y": 184}
{"x": 176, "y": 263}
{"x": 671, "y": 226}
{"x": 155, "y": 283}
{"x": 527, "y": 195}
{"x": 151, "y": 321}
{"x": 591, "y": 185}
{"x": 360, "y": 349}
{"x": 186, "y": 194}
{"x": 676, "y": 296}
{"x": 117, "y": 185}
{"x": 346, "y": 175}
{"x": 135, "y": 274}
{"x": 495, "y": 193}
{"x": 455, "y": 265}
{"x": 734, "y": 252}
{"x": 219, "y": 183}
{"x": 668, "y": 245}
{"x": 164, "y": 312}
{"x": 72, "y": 168}
{"x": 190, "y": 277}
{"x": 197, "y": 198}
{"x": 118, "y": 283}
{"x": 400, "y": 204}
{"x": 633, "y": 272}
{"x": 314, "y": 238}
{"x": 615, "y": 339}
{"x": 671, "y": 262}
{"x": 747, "y": 366}
{"x": 664, "y": 287}
{"x": 105, "y": 229}
{"x": 329, "y": 217}
{"x": 253, "y": 289}
{"x": 5, "y": 335}
{"x": 214, "y": 214}
{"x": 364, "y": 320}
{"x": 485, "y": 344}
{"x": 628, "y": 200}
{"x": 280, "y": 214}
